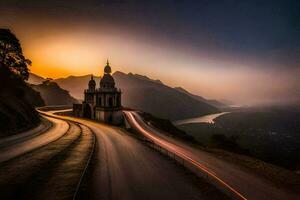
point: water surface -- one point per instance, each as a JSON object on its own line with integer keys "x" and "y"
{"x": 203, "y": 119}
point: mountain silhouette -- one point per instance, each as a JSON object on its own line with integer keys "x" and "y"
{"x": 35, "y": 79}
{"x": 76, "y": 84}
{"x": 212, "y": 102}
{"x": 158, "y": 99}
{"x": 145, "y": 94}
{"x": 53, "y": 94}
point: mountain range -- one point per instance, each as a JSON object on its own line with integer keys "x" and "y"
{"x": 53, "y": 94}
{"x": 142, "y": 93}
{"x": 35, "y": 79}
{"x": 213, "y": 102}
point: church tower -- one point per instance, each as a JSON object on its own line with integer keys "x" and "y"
{"x": 103, "y": 103}
{"x": 92, "y": 84}
{"x": 108, "y": 100}
{"x": 89, "y": 100}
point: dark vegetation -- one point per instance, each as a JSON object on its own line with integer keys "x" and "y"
{"x": 166, "y": 126}
{"x": 11, "y": 55}
{"x": 270, "y": 135}
{"x": 213, "y": 139}
{"x": 17, "y": 99}
{"x": 53, "y": 94}
{"x": 229, "y": 143}
{"x": 216, "y": 139}
{"x": 212, "y": 136}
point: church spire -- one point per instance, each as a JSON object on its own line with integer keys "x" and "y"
{"x": 92, "y": 83}
{"x": 107, "y": 68}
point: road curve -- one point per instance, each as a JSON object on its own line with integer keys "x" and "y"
{"x": 55, "y": 168}
{"x": 26, "y": 144}
{"x": 127, "y": 169}
{"x": 247, "y": 185}
{"x": 16, "y": 138}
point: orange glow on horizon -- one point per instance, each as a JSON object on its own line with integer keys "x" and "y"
{"x": 182, "y": 153}
{"x": 77, "y": 46}
{"x": 82, "y": 53}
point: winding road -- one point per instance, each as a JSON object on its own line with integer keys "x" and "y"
{"x": 128, "y": 169}
{"x": 122, "y": 166}
{"x": 45, "y": 162}
{"x": 32, "y": 139}
{"x": 241, "y": 183}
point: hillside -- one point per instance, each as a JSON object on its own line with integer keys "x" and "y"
{"x": 76, "y": 84}
{"x": 142, "y": 93}
{"x": 17, "y": 101}
{"x": 52, "y": 94}
{"x": 158, "y": 99}
{"x": 35, "y": 79}
{"x": 212, "y": 102}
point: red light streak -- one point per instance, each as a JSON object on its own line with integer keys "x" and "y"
{"x": 177, "y": 150}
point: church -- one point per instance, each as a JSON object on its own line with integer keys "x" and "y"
{"x": 103, "y": 103}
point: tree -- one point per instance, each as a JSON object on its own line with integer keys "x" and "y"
{"x": 11, "y": 54}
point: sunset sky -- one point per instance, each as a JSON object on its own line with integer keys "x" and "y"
{"x": 246, "y": 51}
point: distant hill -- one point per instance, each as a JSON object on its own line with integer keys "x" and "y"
{"x": 142, "y": 93}
{"x": 76, "y": 84}
{"x": 53, "y": 94}
{"x": 199, "y": 98}
{"x": 152, "y": 96}
{"x": 35, "y": 79}
{"x": 212, "y": 102}
{"x": 227, "y": 102}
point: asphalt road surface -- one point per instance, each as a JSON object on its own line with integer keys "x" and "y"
{"x": 46, "y": 165}
{"x": 245, "y": 183}
{"x": 31, "y": 140}
{"x": 127, "y": 169}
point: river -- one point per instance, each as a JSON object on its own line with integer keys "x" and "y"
{"x": 203, "y": 119}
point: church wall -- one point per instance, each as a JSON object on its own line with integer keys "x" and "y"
{"x": 93, "y": 113}
{"x": 99, "y": 116}
{"x": 77, "y": 110}
{"x": 107, "y": 116}
{"x": 111, "y": 117}
{"x": 105, "y": 102}
{"x": 95, "y": 99}
{"x": 118, "y": 118}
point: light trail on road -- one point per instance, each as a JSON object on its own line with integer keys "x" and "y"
{"x": 178, "y": 151}
{"x": 127, "y": 169}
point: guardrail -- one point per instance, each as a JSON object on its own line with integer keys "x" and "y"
{"x": 186, "y": 161}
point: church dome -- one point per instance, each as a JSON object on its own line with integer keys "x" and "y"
{"x": 107, "y": 78}
{"x": 107, "y": 81}
{"x": 107, "y": 68}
